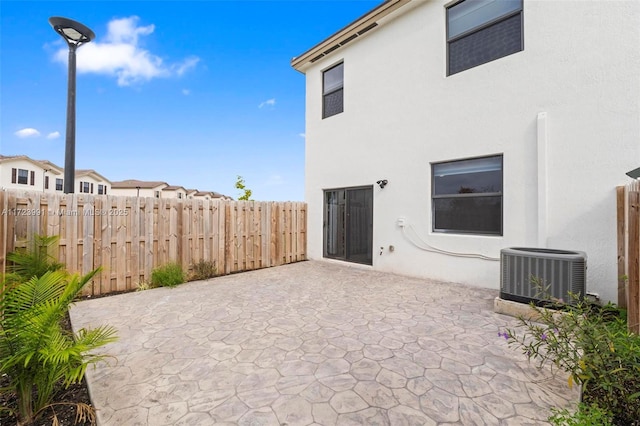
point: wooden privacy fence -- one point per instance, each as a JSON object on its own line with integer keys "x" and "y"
{"x": 129, "y": 236}
{"x": 628, "y": 211}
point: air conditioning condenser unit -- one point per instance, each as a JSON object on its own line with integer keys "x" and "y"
{"x": 539, "y": 274}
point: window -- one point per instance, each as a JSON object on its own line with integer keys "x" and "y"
{"x": 482, "y": 31}
{"x": 84, "y": 187}
{"x": 157, "y": 193}
{"x": 46, "y": 182}
{"x": 180, "y": 195}
{"x": 102, "y": 189}
{"x": 23, "y": 176}
{"x": 59, "y": 183}
{"x": 467, "y": 196}
{"x": 332, "y": 91}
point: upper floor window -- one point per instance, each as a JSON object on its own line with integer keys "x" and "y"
{"x": 332, "y": 91}
{"x": 23, "y": 176}
{"x": 467, "y": 196}
{"x": 481, "y": 31}
{"x": 102, "y": 189}
{"x": 86, "y": 187}
{"x": 59, "y": 183}
{"x": 157, "y": 194}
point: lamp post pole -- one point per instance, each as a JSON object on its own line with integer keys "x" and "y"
{"x": 75, "y": 34}
{"x": 70, "y": 143}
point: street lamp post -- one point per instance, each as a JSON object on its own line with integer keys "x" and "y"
{"x": 75, "y": 34}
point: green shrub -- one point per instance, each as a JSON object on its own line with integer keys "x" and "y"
{"x": 36, "y": 352}
{"x": 585, "y": 415}
{"x": 169, "y": 275}
{"x": 203, "y": 270}
{"x": 594, "y": 346}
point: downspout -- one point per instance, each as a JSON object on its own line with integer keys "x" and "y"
{"x": 542, "y": 179}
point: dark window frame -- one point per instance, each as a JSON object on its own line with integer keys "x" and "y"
{"x": 85, "y": 188}
{"x": 101, "y": 189}
{"x": 459, "y": 196}
{"x": 335, "y": 90}
{"x": 23, "y": 177}
{"x": 478, "y": 29}
{"x": 59, "y": 184}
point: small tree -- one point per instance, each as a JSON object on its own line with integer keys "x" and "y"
{"x": 246, "y": 192}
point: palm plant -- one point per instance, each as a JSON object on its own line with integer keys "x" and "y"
{"x": 36, "y": 259}
{"x": 36, "y": 352}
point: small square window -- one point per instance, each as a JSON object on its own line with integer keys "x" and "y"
{"x": 467, "y": 196}
{"x": 333, "y": 91}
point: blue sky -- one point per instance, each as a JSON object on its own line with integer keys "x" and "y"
{"x": 192, "y": 93}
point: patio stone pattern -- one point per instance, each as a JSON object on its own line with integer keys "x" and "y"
{"x": 314, "y": 343}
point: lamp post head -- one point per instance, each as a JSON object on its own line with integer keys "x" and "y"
{"x": 73, "y": 32}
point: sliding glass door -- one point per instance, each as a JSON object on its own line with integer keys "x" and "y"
{"x": 348, "y": 224}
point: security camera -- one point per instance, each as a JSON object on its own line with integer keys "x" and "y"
{"x": 382, "y": 183}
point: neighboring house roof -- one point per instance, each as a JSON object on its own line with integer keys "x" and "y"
{"x": 92, "y": 173}
{"x": 50, "y": 167}
{"x": 133, "y": 184}
{"x": 42, "y": 164}
{"x": 174, "y": 188}
{"x": 212, "y": 194}
{"x": 355, "y": 29}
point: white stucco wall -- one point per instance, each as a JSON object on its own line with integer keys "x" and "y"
{"x": 39, "y": 175}
{"x": 92, "y": 179}
{"x": 133, "y": 192}
{"x": 574, "y": 91}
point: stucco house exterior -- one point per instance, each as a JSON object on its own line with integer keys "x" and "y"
{"x": 138, "y": 188}
{"x": 91, "y": 182}
{"x": 440, "y": 132}
{"x": 174, "y": 191}
{"x": 23, "y": 172}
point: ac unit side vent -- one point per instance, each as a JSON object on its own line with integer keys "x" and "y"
{"x": 538, "y": 275}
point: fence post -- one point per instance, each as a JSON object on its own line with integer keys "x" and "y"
{"x": 621, "y": 228}
{"x": 3, "y": 231}
{"x": 633, "y": 300}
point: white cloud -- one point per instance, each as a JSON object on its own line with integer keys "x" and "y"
{"x": 186, "y": 92}
{"x": 53, "y": 135}
{"x": 120, "y": 55}
{"x": 186, "y": 65}
{"x": 269, "y": 102}
{"x": 27, "y": 133}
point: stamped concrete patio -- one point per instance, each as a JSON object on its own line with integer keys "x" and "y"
{"x": 314, "y": 343}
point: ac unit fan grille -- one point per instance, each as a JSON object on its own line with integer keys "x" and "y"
{"x": 538, "y": 275}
